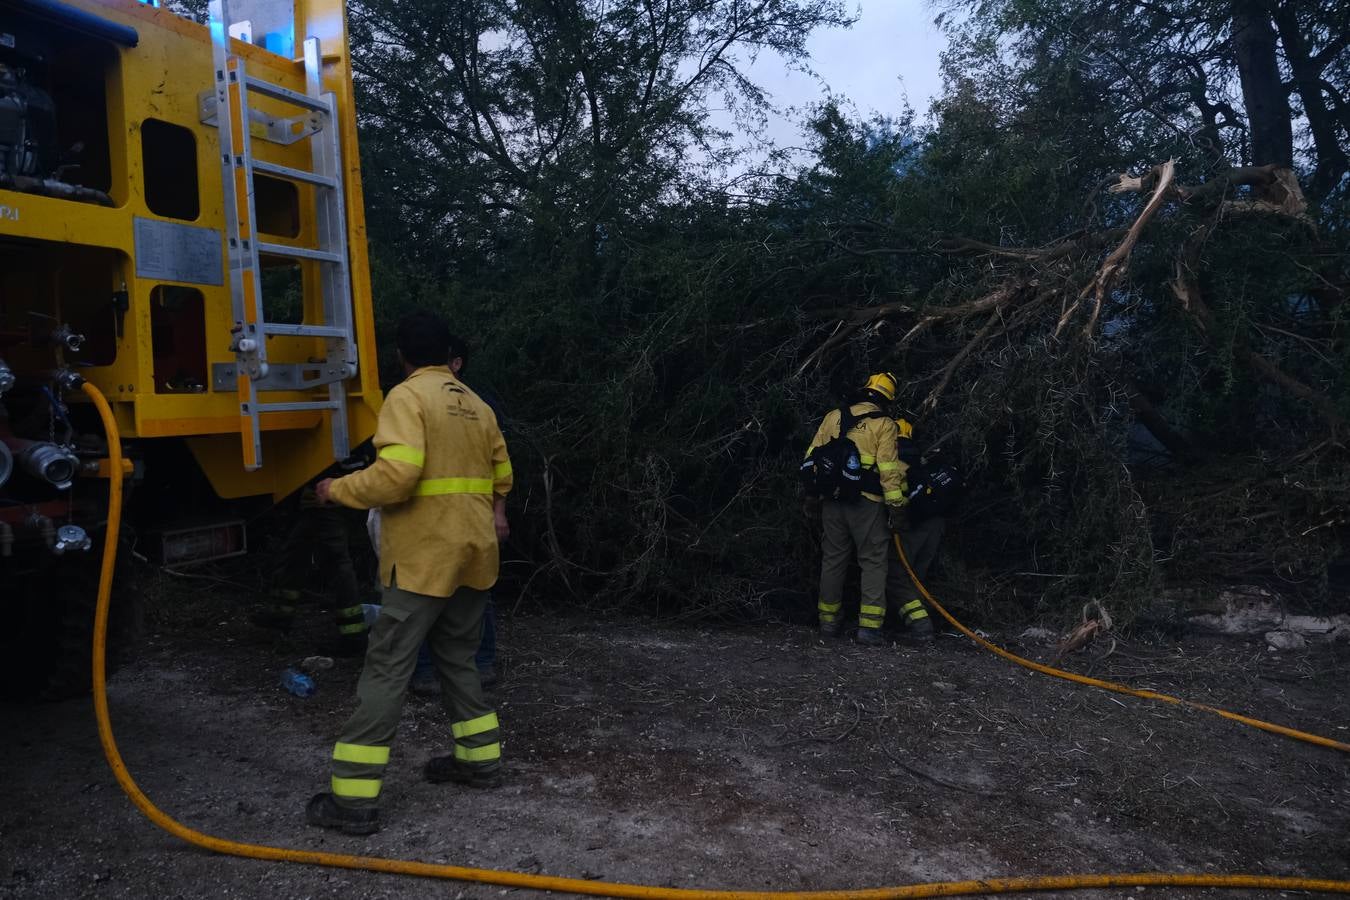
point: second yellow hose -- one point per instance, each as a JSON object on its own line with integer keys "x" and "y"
{"x": 1110, "y": 685}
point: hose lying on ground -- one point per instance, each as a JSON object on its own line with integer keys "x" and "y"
{"x": 547, "y": 882}
{"x": 1110, "y": 685}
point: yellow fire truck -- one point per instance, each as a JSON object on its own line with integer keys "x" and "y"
{"x": 181, "y": 225}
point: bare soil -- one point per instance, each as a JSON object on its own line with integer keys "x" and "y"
{"x": 753, "y": 758}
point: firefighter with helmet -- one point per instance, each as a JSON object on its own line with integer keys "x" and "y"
{"x": 855, "y": 482}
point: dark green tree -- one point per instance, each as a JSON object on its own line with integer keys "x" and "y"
{"x": 549, "y": 126}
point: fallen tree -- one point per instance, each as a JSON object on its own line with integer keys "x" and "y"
{"x": 1049, "y": 365}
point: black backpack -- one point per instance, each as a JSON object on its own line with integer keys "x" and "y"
{"x": 934, "y": 490}
{"x": 834, "y": 470}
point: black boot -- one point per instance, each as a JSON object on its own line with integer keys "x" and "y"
{"x": 871, "y": 637}
{"x": 347, "y": 646}
{"x": 446, "y": 768}
{"x": 325, "y": 812}
{"x": 920, "y": 631}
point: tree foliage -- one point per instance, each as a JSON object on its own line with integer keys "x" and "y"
{"x": 1110, "y": 268}
{"x": 558, "y": 122}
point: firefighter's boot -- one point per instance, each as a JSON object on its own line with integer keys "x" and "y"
{"x": 346, "y": 646}
{"x": 918, "y": 624}
{"x": 325, "y": 812}
{"x": 871, "y": 637}
{"x": 446, "y": 768}
{"x": 871, "y": 616}
{"x": 829, "y": 615}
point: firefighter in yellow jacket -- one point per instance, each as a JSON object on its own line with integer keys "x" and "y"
{"x": 441, "y": 477}
{"x": 860, "y": 497}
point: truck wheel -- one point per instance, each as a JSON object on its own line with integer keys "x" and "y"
{"x": 48, "y": 641}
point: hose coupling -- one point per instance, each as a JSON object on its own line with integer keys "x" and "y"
{"x": 71, "y": 538}
{"x": 68, "y": 379}
{"x": 47, "y": 462}
{"x": 65, "y": 336}
{"x": 6, "y": 377}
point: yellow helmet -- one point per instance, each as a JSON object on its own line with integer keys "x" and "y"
{"x": 883, "y": 383}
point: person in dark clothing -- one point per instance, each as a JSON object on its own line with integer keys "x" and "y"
{"x": 933, "y": 487}
{"x": 318, "y": 542}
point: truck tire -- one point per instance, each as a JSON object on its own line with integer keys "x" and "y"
{"x": 48, "y": 641}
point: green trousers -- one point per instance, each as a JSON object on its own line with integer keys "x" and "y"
{"x": 319, "y": 535}
{"x": 921, "y": 545}
{"x": 853, "y": 531}
{"x": 453, "y": 626}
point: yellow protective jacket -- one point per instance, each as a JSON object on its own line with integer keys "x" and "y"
{"x": 441, "y": 461}
{"x": 876, "y": 440}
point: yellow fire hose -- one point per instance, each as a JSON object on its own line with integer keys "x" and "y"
{"x": 1110, "y": 685}
{"x": 550, "y": 883}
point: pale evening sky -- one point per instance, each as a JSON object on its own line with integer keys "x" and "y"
{"x": 890, "y": 55}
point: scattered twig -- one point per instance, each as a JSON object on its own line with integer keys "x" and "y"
{"x": 827, "y": 739}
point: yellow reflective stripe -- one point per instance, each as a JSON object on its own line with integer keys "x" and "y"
{"x": 865, "y": 622}
{"x": 887, "y": 466}
{"x": 433, "y": 487}
{"x": 501, "y": 470}
{"x": 868, "y": 609}
{"x": 917, "y": 614}
{"x": 913, "y": 604}
{"x": 354, "y": 628}
{"x": 828, "y": 607}
{"x": 895, "y": 495}
{"x": 867, "y": 459}
{"x": 474, "y": 726}
{"x": 356, "y": 788}
{"x": 485, "y": 753}
{"x": 404, "y": 453}
{"x": 361, "y": 753}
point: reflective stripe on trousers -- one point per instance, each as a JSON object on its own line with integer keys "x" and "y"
{"x": 358, "y": 771}
{"x": 914, "y": 611}
{"x": 352, "y": 620}
{"x": 477, "y": 740}
{"x": 871, "y": 614}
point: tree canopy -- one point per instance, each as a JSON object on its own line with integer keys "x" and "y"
{"x": 1109, "y": 267}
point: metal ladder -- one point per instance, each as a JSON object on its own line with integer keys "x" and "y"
{"x": 317, "y": 122}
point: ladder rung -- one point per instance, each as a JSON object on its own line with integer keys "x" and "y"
{"x": 293, "y": 174}
{"x": 301, "y": 406}
{"x": 299, "y": 252}
{"x": 323, "y": 331}
{"x": 277, "y": 92}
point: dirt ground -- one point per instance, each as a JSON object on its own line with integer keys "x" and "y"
{"x": 751, "y": 758}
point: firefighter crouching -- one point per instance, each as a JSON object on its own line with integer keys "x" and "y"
{"x": 853, "y": 474}
{"x": 441, "y": 478}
